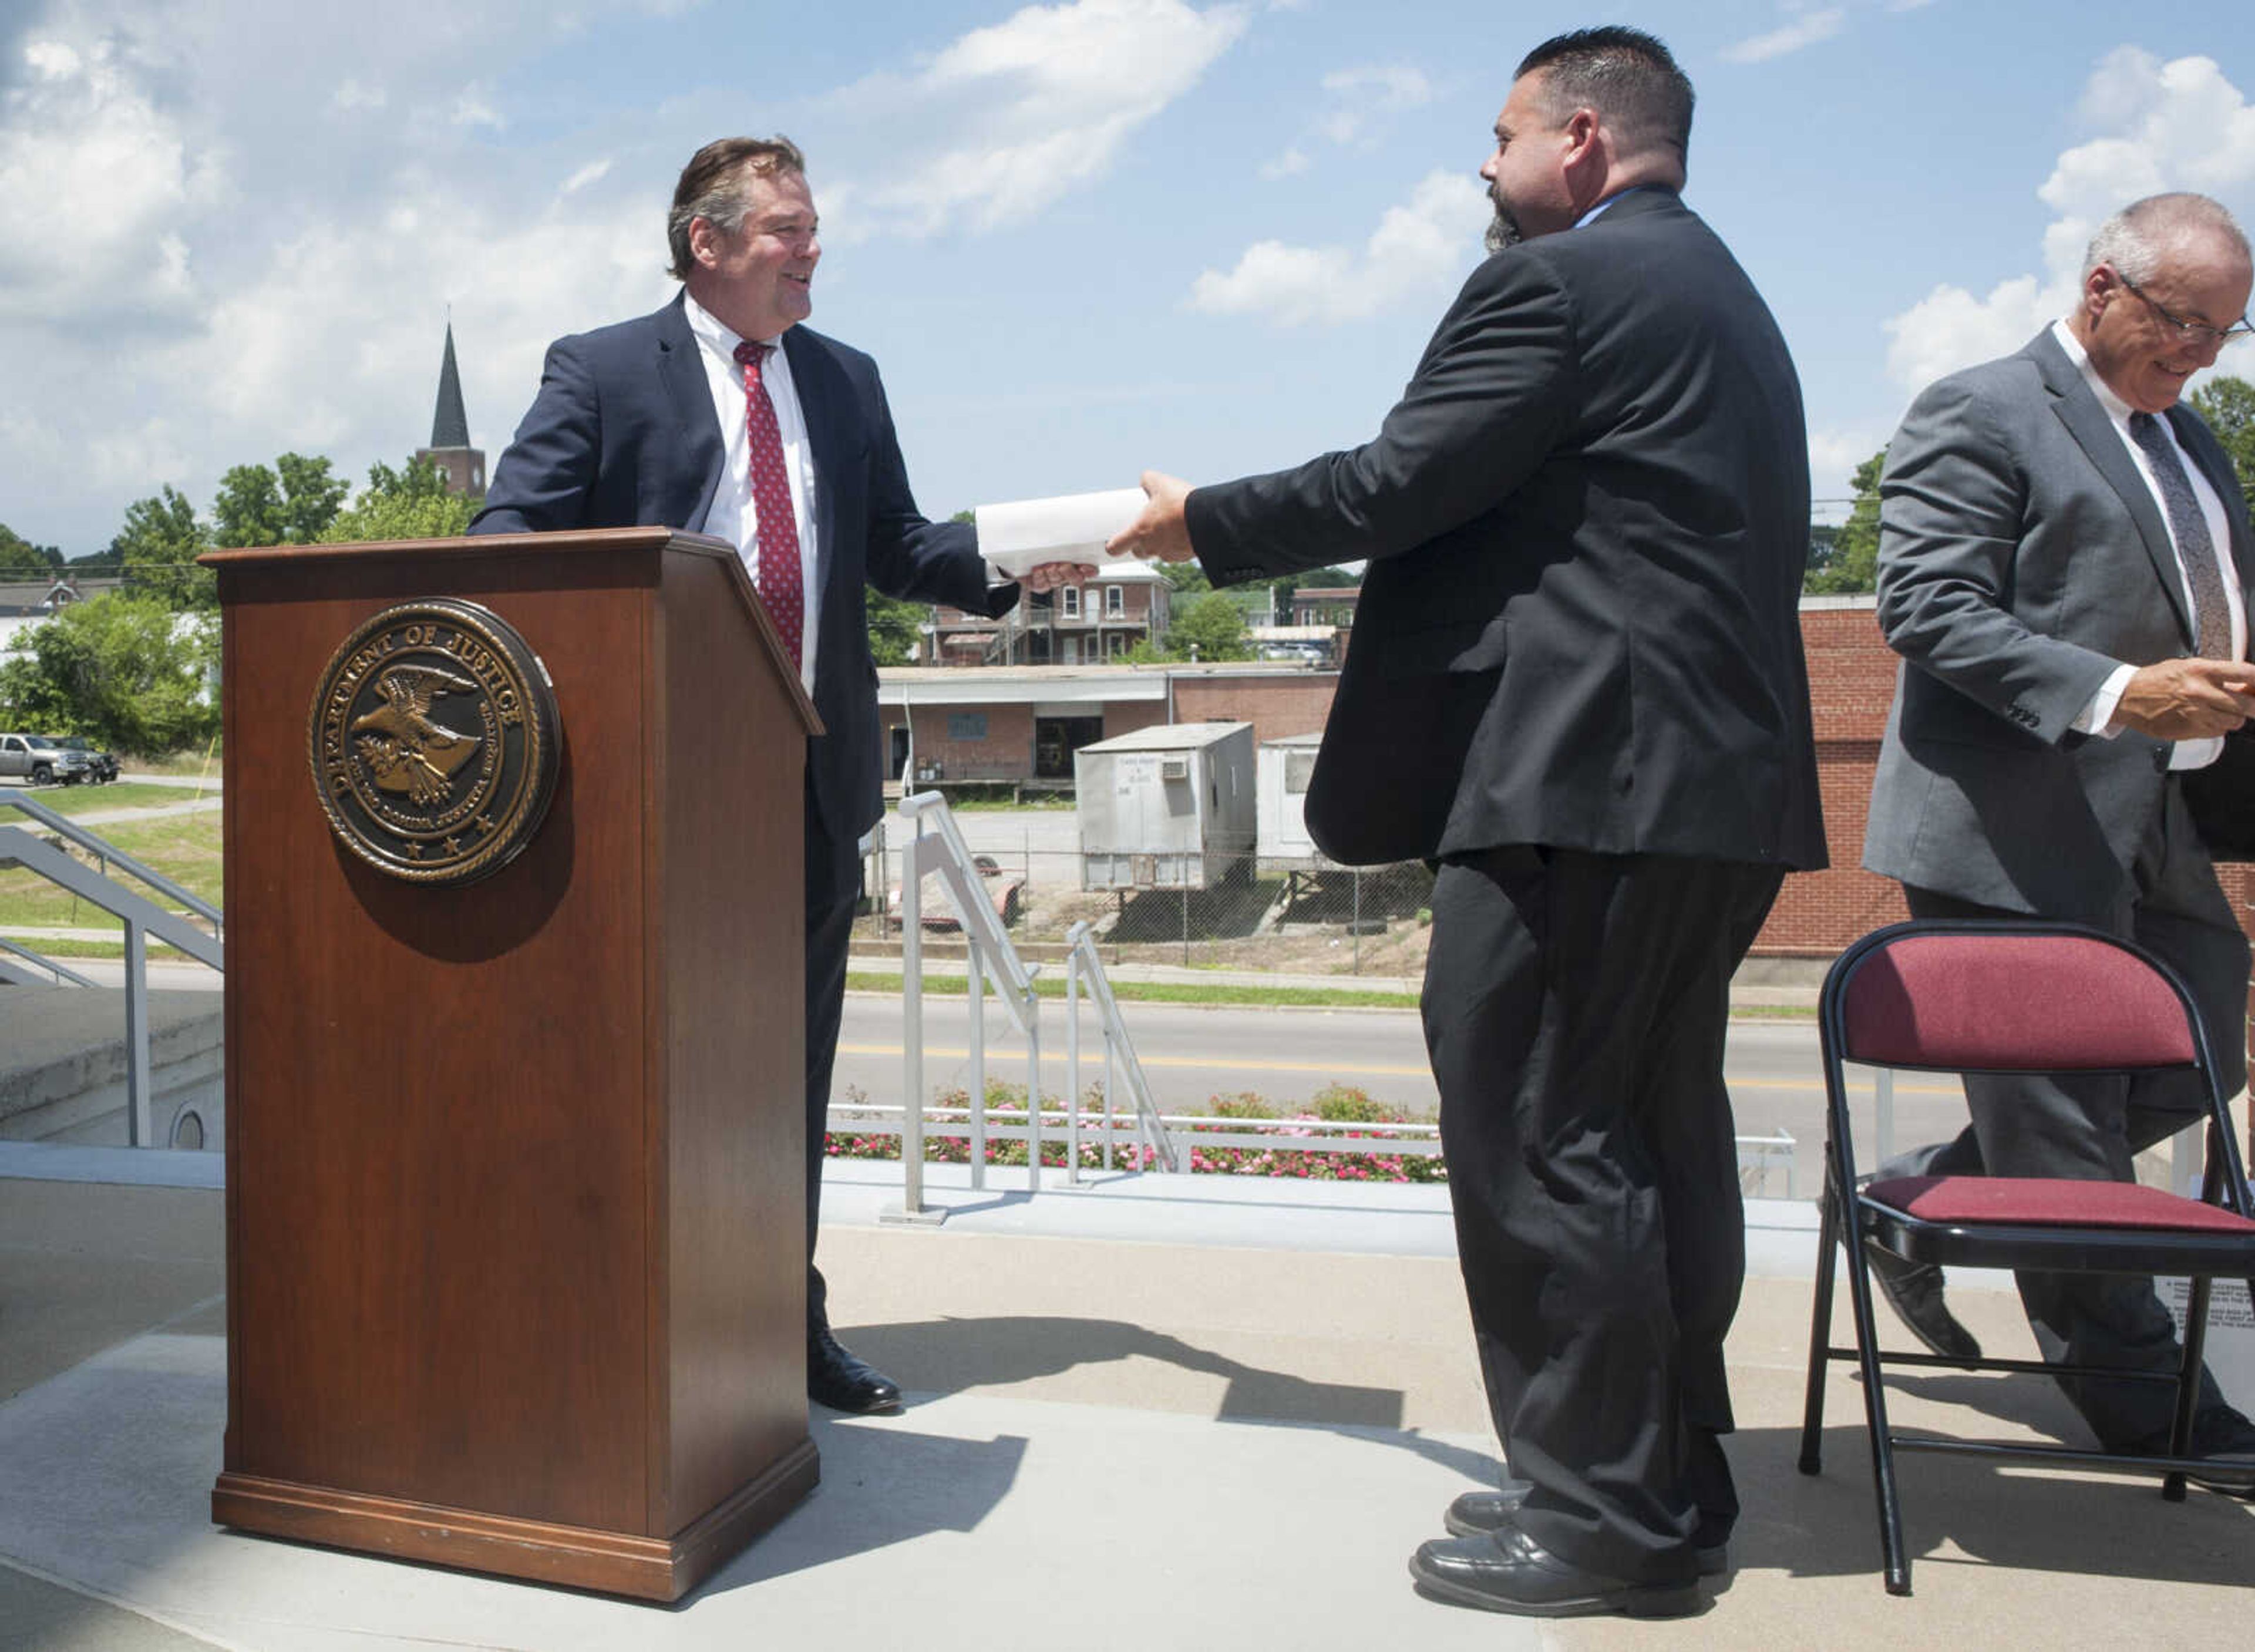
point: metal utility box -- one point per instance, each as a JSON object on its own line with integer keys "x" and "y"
{"x": 1166, "y": 808}
{"x": 1282, "y": 780}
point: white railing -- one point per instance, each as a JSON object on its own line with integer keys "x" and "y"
{"x": 1085, "y": 969}
{"x": 141, "y": 918}
{"x": 936, "y": 847}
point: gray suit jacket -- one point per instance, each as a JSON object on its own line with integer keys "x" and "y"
{"x": 2021, "y": 556}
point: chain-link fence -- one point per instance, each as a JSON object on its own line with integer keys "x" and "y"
{"x": 1229, "y": 911}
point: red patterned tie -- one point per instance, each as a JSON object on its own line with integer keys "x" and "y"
{"x": 781, "y": 585}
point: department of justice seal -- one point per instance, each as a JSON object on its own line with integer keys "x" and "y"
{"x": 434, "y": 742}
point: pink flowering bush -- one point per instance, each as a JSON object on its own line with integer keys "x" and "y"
{"x": 1382, "y": 1161}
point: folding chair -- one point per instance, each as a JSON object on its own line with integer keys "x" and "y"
{"x": 2015, "y": 997}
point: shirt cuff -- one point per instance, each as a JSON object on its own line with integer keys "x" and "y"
{"x": 2097, "y": 717}
{"x": 997, "y": 579}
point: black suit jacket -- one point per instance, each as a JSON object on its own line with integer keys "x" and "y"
{"x": 622, "y": 434}
{"x": 1586, "y": 521}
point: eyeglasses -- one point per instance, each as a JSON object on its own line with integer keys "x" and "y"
{"x": 2197, "y": 333}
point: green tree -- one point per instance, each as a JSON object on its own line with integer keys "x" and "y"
{"x": 410, "y": 502}
{"x": 1850, "y": 563}
{"x": 129, "y": 671}
{"x": 896, "y": 627}
{"x": 1185, "y": 579}
{"x": 1211, "y": 624}
{"x": 248, "y": 511}
{"x": 2228, "y": 404}
{"x": 311, "y": 494}
{"x": 21, "y": 559}
{"x": 157, "y": 550}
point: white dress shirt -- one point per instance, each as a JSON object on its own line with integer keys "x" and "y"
{"x": 733, "y": 517}
{"x": 2098, "y": 715}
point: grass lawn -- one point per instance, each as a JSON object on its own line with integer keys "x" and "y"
{"x": 185, "y": 847}
{"x": 77, "y": 800}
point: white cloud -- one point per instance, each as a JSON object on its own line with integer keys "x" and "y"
{"x": 1833, "y": 456}
{"x": 473, "y": 106}
{"x": 351, "y": 95}
{"x": 1290, "y": 164}
{"x": 81, "y": 132}
{"x": 1806, "y": 29}
{"x": 592, "y": 172}
{"x": 1032, "y": 107}
{"x": 1417, "y": 246}
{"x": 2157, "y": 126}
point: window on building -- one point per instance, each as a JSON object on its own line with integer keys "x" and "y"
{"x": 1116, "y": 601}
{"x": 967, "y": 724}
{"x": 1070, "y": 597}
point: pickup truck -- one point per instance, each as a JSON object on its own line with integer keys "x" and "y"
{"x": 41, "y": 760}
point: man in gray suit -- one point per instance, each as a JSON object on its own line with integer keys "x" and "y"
{"x": 2064, "y": 563}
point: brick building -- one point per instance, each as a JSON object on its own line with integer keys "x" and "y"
{"x": 1089, "y": 623}
{"x": 1025, "y": 724}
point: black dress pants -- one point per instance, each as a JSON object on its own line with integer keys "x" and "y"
{"x": 832, "y": 886}
{"x": 1575, "y": 1008}
{"x": 2090, "y": 1127}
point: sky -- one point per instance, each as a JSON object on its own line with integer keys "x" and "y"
{"x": 1210, "y": 236}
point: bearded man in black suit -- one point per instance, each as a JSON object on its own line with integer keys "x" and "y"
{"x": 721, "y": 414}
{"x": 1577, "y": 687}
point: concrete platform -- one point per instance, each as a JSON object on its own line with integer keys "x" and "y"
{"x": 1206, "y": 1412}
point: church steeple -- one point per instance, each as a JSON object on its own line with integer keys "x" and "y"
{"x": 450, "y": 448}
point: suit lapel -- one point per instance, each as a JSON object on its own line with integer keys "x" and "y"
{"x": 820, "y": 404}
{"x": 2086, "y": 420}
{"x": 689, "y": 392}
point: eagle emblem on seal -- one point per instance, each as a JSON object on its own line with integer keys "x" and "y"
{"x": 404, "y": 748}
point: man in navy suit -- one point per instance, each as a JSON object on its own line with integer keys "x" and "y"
{"x": 1577, "y": 687}
{"x": 720, "y": 414}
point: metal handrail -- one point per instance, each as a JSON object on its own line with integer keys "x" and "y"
{"x": 941, "y": 850}
{"x": 63, "y": 825}
{"x": 1084, "y": 963}
{"x": 141, "y": 918}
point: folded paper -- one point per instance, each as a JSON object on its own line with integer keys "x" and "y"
{"x": 1021, "y": 535}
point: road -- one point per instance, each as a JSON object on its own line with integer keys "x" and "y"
{"x": 1190, "y": 1055}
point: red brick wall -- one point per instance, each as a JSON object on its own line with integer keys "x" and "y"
{"x": 1851, "y": 682}
{"x": 1286, "y": 704}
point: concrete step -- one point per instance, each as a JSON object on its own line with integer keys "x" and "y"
{"x": 63, "y": 1066}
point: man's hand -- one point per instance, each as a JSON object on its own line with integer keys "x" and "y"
{"x": 1050, "y": 575}
{"x": 1160, "y": 533}
{"x": 2188, "y": 698}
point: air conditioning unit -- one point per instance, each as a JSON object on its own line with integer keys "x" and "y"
{"x": 1173, "y": 768}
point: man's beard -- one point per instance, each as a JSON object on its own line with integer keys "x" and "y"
{"x": 1503, "y": 229}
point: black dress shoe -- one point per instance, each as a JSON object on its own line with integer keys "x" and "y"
{"x": 836, "y": 1379}
{"x": 1509, "y": 1571}
{"x": 1913, "y": 1291}
{"x": 2219, "y": 1434}
{"x": 1483, "y": 1514}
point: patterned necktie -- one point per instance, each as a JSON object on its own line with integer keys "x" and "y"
{"x": 2211, "y": 610}
{"x": 781, "y": 586}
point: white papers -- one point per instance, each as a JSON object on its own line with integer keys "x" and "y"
{"x": 1020, "y": 536}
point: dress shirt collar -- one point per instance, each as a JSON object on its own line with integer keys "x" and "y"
{"x": 716, "y": 334}
{"x": 1597, "y": 211}
{"x": 2116, "y": 409}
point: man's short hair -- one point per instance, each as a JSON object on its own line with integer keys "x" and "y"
{"x": 2137, "y": 241}
{"x": 712, "y": 188}
{"x": 1626, "y": 75}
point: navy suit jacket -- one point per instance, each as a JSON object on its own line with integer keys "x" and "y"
{"x": 623, "y": 434}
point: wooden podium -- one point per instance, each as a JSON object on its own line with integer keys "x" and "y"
{"x": 516, "y": 1199}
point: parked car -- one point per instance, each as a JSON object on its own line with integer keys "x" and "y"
{"x": 1005, "y": 889}
{"x": 100, "y": 764}
{"x": 41, "y": 760}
